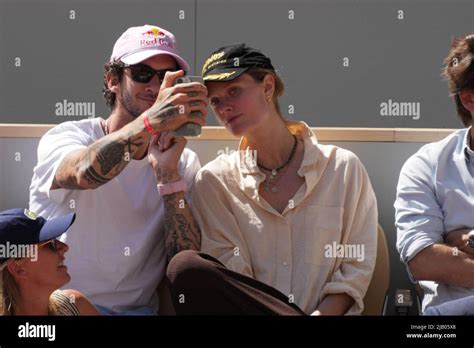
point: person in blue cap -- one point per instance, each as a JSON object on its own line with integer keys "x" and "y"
{"x": 32, "y": 267}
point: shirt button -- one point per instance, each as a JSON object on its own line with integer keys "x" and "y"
{"x": 285, "y": 263}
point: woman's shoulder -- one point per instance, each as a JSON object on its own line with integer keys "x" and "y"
{"x": 82, "y": 303}
{"x": 220, "y": 167}
{"x": 340, "y": 155}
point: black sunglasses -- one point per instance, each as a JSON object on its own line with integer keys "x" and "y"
{"x": 143, "y": 73}
{"x": 52, "y": 244}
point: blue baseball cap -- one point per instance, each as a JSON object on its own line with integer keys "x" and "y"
{"x": 22, "y": 226}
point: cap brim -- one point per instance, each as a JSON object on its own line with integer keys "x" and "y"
{"x": 139, "y": 57}
{"x": 224, "y": 74}
{"x": 55, "y": 227}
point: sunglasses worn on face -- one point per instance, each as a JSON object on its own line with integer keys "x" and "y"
{"x": 52, "y": 244}
{"x": 142, "y": 73}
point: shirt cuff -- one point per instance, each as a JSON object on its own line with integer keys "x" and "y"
{"x": 341, "y": 288}
{"x": 412, "y": 251}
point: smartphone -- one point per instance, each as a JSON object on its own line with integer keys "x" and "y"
{"x": 189, "y": 129}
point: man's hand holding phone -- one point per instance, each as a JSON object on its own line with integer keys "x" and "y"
{"x": 182, "y": 101}
{"x": 189, "y": 129}
{"x": 178, "y": 104}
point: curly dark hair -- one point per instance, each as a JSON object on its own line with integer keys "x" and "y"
{"x": 459, "y": 72}
{"x": 116, "y": 69}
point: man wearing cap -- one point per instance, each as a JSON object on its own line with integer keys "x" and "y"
{"x": 126, "y": 176}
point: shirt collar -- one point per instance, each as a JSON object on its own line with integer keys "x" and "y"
{"x": 249, "y": 175}
{"x": 248, "y": 158}
{"x": 468, "y": 152}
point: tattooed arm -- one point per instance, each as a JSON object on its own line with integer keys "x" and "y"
{"x": 182, "y": 231}
{"x": 101, "y": 161}
{"x": 107, "y": 157}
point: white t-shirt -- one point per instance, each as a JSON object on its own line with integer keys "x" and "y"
{"x": 116, "y": 251}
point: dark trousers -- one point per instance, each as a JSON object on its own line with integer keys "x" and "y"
{"x": 201, "y": 285}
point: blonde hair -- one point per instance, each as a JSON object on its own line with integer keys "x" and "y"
{"x": 10, "y": 294}
{"x": 9, "y": 291}
{"x": 259, "y": 74}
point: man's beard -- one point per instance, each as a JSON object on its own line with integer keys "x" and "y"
{"x": 129, "y": 105}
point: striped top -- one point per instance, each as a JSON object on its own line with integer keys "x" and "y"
{"x": 62, "y": 304}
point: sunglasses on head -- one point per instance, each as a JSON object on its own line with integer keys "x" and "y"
{"x": 143, "y": 73}
{"x": 52, "y": 244}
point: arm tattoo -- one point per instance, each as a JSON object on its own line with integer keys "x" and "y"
{"x": 182, "y": 231}
{"x": 166, "y": 176}
{"x": 93, "y": 177}
{"x": 63, "y": 180}
{"x": 111, "y": 155}
{"x": 163, "y": 114}
{"x": 111, "y": 158}
{"x": 99, "y": 162}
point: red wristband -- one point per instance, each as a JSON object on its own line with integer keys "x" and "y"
{"x": 148, "y": 126}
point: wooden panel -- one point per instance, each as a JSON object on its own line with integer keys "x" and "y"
{"x": 399, "y": 135}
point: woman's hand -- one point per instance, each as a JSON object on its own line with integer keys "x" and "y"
{"x": 164, "y": 153}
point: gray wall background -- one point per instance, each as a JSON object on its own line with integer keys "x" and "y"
{"x": 389, "y": 58}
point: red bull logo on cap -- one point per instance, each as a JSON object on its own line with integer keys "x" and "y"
{"x": 155, "y": 32}
{"x": 159, "y": 38}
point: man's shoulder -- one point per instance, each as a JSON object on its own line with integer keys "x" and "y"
{"x": 189, "y": 155}
{"x": 88, "y": 125}
{"x": 447, "y": 144}
{"x": 434, "y": 151}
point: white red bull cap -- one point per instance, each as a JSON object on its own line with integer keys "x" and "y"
{"x": 137, "y": 44}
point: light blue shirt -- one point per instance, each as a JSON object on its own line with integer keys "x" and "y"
{"x": 435, "y": 195}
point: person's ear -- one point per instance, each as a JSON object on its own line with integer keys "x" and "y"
{"x": 467, "y": 100}
{"x": 113, "y": 82}
{"x": 17, "y": 268}
{"x": 268, "y": 86}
